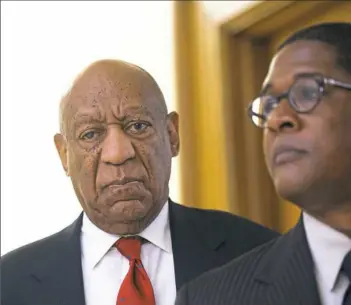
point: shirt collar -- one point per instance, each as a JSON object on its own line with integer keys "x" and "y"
{"x": 95, "y": 243}
{"x": 158, "y": 232}
{"x": 328, "y": 248}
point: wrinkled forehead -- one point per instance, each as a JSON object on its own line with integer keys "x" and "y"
{"x": 112, "y": 88}
{"x": 302, "y": 57}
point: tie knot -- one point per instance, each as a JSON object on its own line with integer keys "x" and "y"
{"x": 129, "y": 247}
{"x": 346, "y": 265}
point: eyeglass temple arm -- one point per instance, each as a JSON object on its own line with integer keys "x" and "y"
{"x": 336, "y": 83}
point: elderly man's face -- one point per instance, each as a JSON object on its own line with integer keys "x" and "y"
{"x": 316, "y": 172}
{"x": 117, "y": 146}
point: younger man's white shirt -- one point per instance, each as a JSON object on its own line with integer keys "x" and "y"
{"x": 328, "y": 248}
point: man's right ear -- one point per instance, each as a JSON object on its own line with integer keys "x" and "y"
{"x": 61, "y": 146}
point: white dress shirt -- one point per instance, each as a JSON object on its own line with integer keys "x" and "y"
{"x": 104, "y": 268}
{"x": 328, "y": 248}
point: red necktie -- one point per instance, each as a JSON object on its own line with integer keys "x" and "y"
{"x": 136, "y": 288}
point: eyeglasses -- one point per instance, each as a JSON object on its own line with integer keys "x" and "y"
{"x": 303, "y": 96}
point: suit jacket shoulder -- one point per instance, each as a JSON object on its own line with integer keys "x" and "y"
{"x": 278, "y": 272}
{"x": 225, "y": 284}
{"x": 37, "y": 250}
{"x": 53, "y": 259}
{"x": 240, "y": 233}
{"x": 206, "y": 239}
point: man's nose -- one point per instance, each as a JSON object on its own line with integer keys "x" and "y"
{"x": 117, "y": 147}
{"x": 283, "y": 119}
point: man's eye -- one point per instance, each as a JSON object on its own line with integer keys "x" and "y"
{"x": 89, "y": 135}
{"x": 138, "y": 127}
{"x": 307, "y": 93}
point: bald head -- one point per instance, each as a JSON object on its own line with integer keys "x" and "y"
{"x": 111, "y": 79}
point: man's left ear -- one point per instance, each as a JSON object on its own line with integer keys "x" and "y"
{"x": 173, "y": 132}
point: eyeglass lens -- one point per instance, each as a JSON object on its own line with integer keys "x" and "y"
{"x": 303, "y": 95}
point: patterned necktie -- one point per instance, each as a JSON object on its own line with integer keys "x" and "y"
{"x": 136, "y": 288}
{"x": 346, "y": 267}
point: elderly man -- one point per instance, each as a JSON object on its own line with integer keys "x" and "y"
{"x": 305, "y": 112}
{"x": 132, "y": 245}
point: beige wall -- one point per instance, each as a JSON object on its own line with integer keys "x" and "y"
{"x": 43, "y": 46}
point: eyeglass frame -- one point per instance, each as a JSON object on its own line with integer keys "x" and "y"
{"x": 321, "y": 81}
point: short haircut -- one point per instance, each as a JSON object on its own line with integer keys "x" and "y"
{"x": 336, "y": 34}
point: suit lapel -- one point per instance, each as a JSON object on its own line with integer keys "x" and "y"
{"x": 60, "y": 272}
{"x": 288, "y": 269}
{"x": 195, "y": 244}
{"x": 197, "y": 247}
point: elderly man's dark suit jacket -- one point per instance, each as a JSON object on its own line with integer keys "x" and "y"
{"x": 280, "y": 272}
{"x": 49, "y": 272}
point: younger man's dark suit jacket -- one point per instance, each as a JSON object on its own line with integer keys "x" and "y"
{"x": 280, "y": 272}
